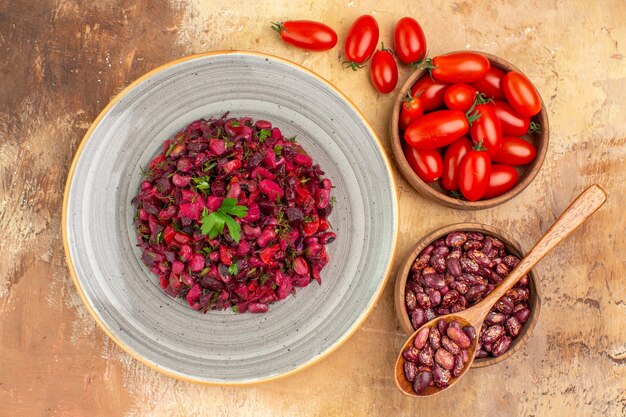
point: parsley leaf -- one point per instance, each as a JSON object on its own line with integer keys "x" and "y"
{"x": 264, "y": 134}
{"x": 278, "y": 150}
{"x": 233, "y": 269}
{"x": 213, "y": 223}
{"x": 236, "y": 309}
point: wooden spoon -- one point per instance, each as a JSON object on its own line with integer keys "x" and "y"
{"x": 583, "y": 207}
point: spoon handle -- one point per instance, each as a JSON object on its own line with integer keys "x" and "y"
{"x": 578, "y": 211}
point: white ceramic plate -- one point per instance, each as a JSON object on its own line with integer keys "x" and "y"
{"x": 223, "y": 347}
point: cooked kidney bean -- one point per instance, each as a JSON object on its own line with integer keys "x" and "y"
{"x": 456, "y": 272}
{"x": 434, "y": 357}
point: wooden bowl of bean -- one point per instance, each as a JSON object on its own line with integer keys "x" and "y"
{"x": 526, "y": 140}
{"x": 456, "y": 266}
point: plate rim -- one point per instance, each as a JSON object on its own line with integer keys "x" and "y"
{"x": 182, "y": 376}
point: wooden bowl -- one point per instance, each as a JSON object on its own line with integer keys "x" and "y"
{"x": 511, "y": 245}
{"x": 435, "y": 191}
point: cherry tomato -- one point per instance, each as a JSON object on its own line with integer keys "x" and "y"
{"x": 460, "y": 67}
{"x": 411, "y": 110}
{"x": 521, "y": 94}
{"x": 361, "y": 41}
{"x": 515, "y": 151}
{"x": 451, "y": 160}
{"x": 513, "y": 124}
{"x": 426, "y": 163}
{"x": 436, "y": 129}
{"x": 487, "y": 129}
{"x": 306, "y": 34}
{"x": 409, "y": 41}
{"x": 384, "y": 71}
{"x": 430, "y": 92}
{"x": 501, "y": 180}
{"x": 460, "y": 97}
{"x": 474, "y": 173}
{"x": 491, "y": 85}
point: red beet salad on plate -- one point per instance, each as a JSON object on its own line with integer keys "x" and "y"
{"x": 232, "y": 214}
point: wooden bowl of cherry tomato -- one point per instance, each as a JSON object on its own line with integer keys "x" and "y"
{"x": 470, "y": 132}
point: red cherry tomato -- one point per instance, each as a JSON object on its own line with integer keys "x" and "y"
{"x": 409, "y": 41}
{"x": 487, "y": 129}
{"x": 460, "y": 67}
{"x": 515, "y": 151}
{"x": 460, "y": 97}
{"x": 306, "y": 34}
{"x": 491, "y": 85}
{"x": 521, "y": 94}
{"x": 513, "y": 124}
{"x": 474, "y": 173}
{"x": 451, "y": 160}
{"x": 426, "y": 163}
{"x": 436, "y": 129}
{"x": 384, "y": 71}
{"x": 411, "y": 110}
{"x": 430, "y": 92}
{"x": 501, "y": 180}
{"x": 361, "y": 41}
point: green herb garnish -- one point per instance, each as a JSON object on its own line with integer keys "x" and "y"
{"x": 213, "y": 223}
{"x": 264, "y": 134}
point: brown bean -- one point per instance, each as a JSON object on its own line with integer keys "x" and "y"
{"x": 482, "y": 281}
{"x": 449, "y": 345}
{"x": 448, "y": 279}
{"x": 410, "y": 369}
{"x": 475, "y": 235}
{"x": 450, "y": 299}
{"x": 495, "y": 279}
{"x": 487, "y": 347}
{"x": 522, "y": 315}
{"x": 459, "y": 337}
{"x": 523, "y": 282}
{"x": 441, "y": 376}
{"x": 505, "y": 305}
{"x": 481, "y": 354}
{"x": 442, "y": 311}
{"x": 470, "y": 332}
{"x": 411, "y": 354}
{"x": 426, "y": 356}
{"x": 428, "y": 250}
{"x": 500, "y": 346}
{"x": 479, "y": 257}
{"x": 414, "y": 286}
{"x": 456, "y": 239}
{"x": 422, "y": 368}
{"x": 487, "y": 244}
{"x": 455, "y": 254}
{"x": 440, "y": 242}
{"x": 462, "y": 302}
{"x": 495, "y": 317}
{"x": 513, "y": 327}
{"x": 444, "y": 290}
{"x": 420, "y": 263}
{"x": 445, "y": 359}
{"x": 422, "y": 381}
{"x": 442, "y": 326}
{"x": 458, "y": 366}
{"x": 435, "y": 296}
{"x": 456, "y": 308}
{"x": 421, "y": 337}
{"x": 454, "y": 267}
{"x": 441, "y": 250}
{"x": 476, "y": 292}
{"x": 423, "y": 300}
{"x": 497, "y": 243}
{"x": 464, "y": 355}
{"x": 430, "y": 314}
{"x": 454, "y": 324}
{"x": 472, "y": 244}
{"x": 434, "y": 338}
{"x": 511, "y": 261}
{"x": 518, "y": 295}
{"x": 502, "y": 269}
{"x": 434, "y": 281}
{"x": 460, "y": 286}
{"x": 492, "y": 333}
{"x": 468, "y": 265}
{"x": 438, "y": 262}
{"x": 409, "y": 298}
{"x": 469, "y": 278}
{"x": 418, "y": 318}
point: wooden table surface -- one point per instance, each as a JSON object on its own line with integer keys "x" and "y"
{"x": 61, "y": 61}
